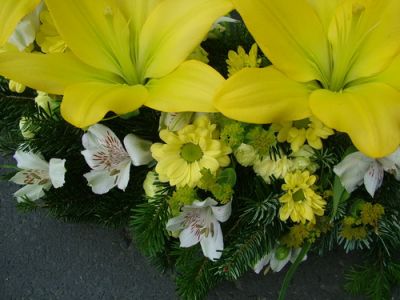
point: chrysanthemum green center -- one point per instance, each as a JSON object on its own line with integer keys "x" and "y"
{"x": 281, "y": 252}
{"x": 191, "y": 152}
{"x": 298, "y": 196}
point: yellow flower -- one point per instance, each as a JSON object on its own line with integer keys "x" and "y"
{"x": 337, "y": 60}
{"x": 300, "y": 202}
{"x": 239, "y": 60}
{"x": 268, "y": 167}
{"x": 297, "y": 133}
{"x": 371, "y": 214}
{"x": 199, "y": 54}
{"x": 48, "y": 37}
{"x": 124, "y": 54}
{"x": 11, "y": 12}
{"x": 188, "y": 151}
{"x": 352, "y": 230}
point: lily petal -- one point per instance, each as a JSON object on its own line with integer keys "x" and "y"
{"x": 369, "y": 113}
{"x": 373, "y": 178}
{"x": 391, "y": 75}
{"x": 325, "y": 9}
{"x": 352, "y": 169}
{"x": 360, "y": 28}
{"x": 263, "y": 96}
{"x": 191, "y": 87}
{"x": 50, "y": 73}
{"x": 97, "y": 33}
{"x": 138, "y": 149}
{"x": 290, "y": 34}
{"x": 11, "y": 12}
{"x": 173, "y": 30}
{"x": 85, "y": 104}
{"x": 57, "y": 172}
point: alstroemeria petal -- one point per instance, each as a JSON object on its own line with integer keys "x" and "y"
{"x": 123, "y": 175}
{"x": 85, "y": 104}
{"x": 373, "y": 178}
{"x": 262, "y": 263}
{"x": 263, "y": 96}
{"x": 25, "y": 32}
{"x": 391, "y": 163}
{"x": 176, "y": 223}
{"x": 290, "y": 34}
{"x": 97, "y": 33}
{"x": 188, "y": 238}
{"x": 222, "y": 213}
{"x": 278, "y": 264}
{"x": 30, "y": 161}
{"x": 138, "y": 149}
{"x": 203, "y": 204}
{"x": 360, "y": 28}
{"x": 31, "y": 191}
{"x": 11, "y": 12}
{"x": 369, "y": 113}
{"x": 213, "y": 243}
{"x": 50, "y": 73}
{"x": 352, "y": 169}
{"x": 191, "y": 87}
{"x": 173, "y": 30}
{"x": 57, "y": 172}
{"x": 100, "y": 181}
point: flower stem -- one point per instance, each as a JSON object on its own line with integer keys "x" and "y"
{"x": 292, "y": 270}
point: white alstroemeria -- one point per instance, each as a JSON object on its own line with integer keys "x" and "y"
{"x": 278, "y": 258}
{"x": 109, "y": 160}
{"x": 25, "y": 32}
{"x": 37, "y": 175}
{"x": 199, "y": 222}
{"x": 357, "y": 168}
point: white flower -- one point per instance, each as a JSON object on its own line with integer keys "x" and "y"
{"x": 278, "y": 258}
{"x": 357, "y": 168}
{"x": 246, "y": 155}
{"x": 109, "y": 160}
{"x": 25, "y": 33}
{"x": 200, "y": 223}
{"x": 37, "y": 175}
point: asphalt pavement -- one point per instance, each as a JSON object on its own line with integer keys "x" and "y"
{"x": 43, "y": 258}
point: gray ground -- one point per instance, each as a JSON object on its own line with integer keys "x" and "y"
{"x": 42, "y": 258}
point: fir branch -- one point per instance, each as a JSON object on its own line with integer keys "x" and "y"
{"x": 195, "y": 276}
{"x": 148, "y": 224}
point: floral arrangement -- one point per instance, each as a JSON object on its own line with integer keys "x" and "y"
{"x": 227, "y": 136}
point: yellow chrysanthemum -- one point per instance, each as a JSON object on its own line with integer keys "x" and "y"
{"x": 297, "y": 133}
{"x": 48, "y": 37}
{"x": 300, "y": 202}
{"x": 239, "y": 60}
{"x": 188, "y": 151}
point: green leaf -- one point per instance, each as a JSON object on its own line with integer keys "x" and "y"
{"x": 340, "y": 195}
{"x": 227, "y": 176}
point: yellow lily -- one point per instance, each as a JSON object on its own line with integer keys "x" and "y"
{"x": 335, "y": 59}
{"x": 11, "y": 12}
{"x": 124, "y": 54}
